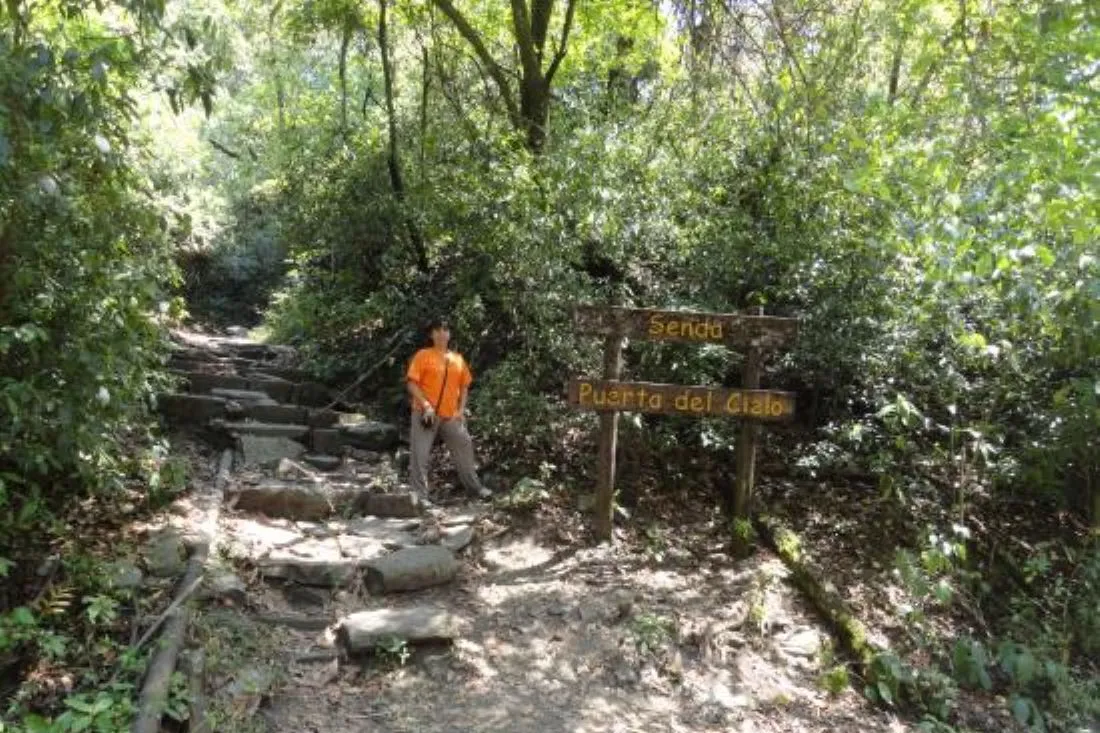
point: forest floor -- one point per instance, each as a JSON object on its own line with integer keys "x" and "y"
{"x": 661, "y": 631}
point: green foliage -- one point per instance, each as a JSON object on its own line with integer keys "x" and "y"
{"x": 835, "y": 679}
{"x": 392, "y": 650}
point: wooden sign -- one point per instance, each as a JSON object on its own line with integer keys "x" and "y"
{"x": 764, "y": 332}
{"x": 756, "y": 333}
{"x": 674, "y": 399}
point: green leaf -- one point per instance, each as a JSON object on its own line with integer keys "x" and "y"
{"x": 883, "y": 690}
{"x": 36, "y": 724}
{"x": 1021, "y": 710}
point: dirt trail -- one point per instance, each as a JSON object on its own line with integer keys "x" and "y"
{"x": 554, "y": 634}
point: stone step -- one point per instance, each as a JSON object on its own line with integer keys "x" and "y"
{"x": 184, "y": 408}
{"x": 201, "y": 367}
{"x": 277, "y": 413}
{"x": 263, "y": 429}
{"x": 300, "y": 501}
{"x": 204, "y": 383}
{"x": 244, "y": 397}
{"x": 362, "y": 632}
{"x": 311, "y": 501}
{"x": 413, "y": 568}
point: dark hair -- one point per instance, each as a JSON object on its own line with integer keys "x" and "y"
{"x": 434, "y": 324}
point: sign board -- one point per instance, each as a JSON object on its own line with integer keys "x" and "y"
{"x": 764, "y": 332}
{"x": 756, "y": 334}
{"x": 674, "y": 399}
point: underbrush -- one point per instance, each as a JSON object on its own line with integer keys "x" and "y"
{"x": 72, "y": 613}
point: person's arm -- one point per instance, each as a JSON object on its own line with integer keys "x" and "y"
{"x": 462, "y": 402}
{"x": 464, "y": 392}
{"x": 417, "y": 395}
{"x": 412, "y": 377}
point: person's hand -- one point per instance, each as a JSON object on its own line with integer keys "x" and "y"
{"x": 427, "y": 417}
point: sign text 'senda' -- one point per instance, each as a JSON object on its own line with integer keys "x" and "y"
{"x": 666, "y": 325}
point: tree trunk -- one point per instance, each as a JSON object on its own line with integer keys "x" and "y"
{"x": 535, "y": 110}
{"x": 530, "y": 26}
{"x": 344, "y": 43}
{"x": 280, "y": 92}
{"x": 394, "y": 161}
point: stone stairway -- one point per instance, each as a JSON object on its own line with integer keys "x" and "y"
{"x": 269, "y": 409}
{"x": 317, "y": 530}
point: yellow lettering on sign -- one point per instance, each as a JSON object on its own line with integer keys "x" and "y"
{"x": 697, "y": 404}
{"x": 586, "y": 393}
{"x": 715, "y": 329}
{"x": 733, "y": 404}
{"x": 613, "y": 398}
{"x": 673, "y": 329}
{"x": 756, "y": 406}
{"x": 681, "y": 402}
{"x": 777, "y": 408}
{"x": 656, "y": 325}
{"x": 656, "y": 401}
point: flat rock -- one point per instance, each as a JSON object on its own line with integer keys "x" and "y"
{"x": 361, "y": 632}
{"x": 258, "y": 450}
{"x": 312, "y": 394}
{"x": 221, "y": 584}
{"x": 327, "y": 441}
{"x": 215, "y": 383}
{"x": 124, "y": 575}
{"x": 321, "y": 418}
{"x": 246, "y": 397}
{"x": 290, "y": 414}
{"x": 249, "y": 688}
{"x": 191, "y": 408}
{"x": 288, "y": 469}
{"x": 457, "y": 538}
{"x": 371, "y": 435}
{"x": 323, "y": 462}
{"x": 410, "y": 569}
{"x": 165, "y": 555}
{"x": 799, "y": 642}
{"x": 264, "y": 429}
{"x": 393, "y": 505}
{"x": 301, "y": 501}
{"x": 393, "y": 534}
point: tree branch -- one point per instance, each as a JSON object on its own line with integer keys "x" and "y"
{"x": 541, "y": 12}
{"x": 525, "y": 40}
{"x": 566, "y": 27}
{"x": 222, "y": 148}
{"x": 493, "y": 68}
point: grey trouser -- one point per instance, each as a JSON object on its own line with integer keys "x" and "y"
{"x": 458, "y": 443}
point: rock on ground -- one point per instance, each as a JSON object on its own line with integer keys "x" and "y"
{"x": 411, "y": 569}
{"x": 165, "y": 555}
{"x": 298, "y": 500}
{"x": 257, "y": 450}
{"x": 361, "y": 632}
{"x": 371, "y": 435}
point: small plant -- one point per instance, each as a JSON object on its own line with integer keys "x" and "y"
{"x": 392, "y": 650}
{"x": 835, "y": 679}
{"x": 651, "y": 631}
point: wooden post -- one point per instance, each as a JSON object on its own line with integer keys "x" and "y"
{"x": 609, "y": 439}
{"x": 747, "y": 438}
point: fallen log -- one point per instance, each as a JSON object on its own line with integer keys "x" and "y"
{"x": 842, "y": 621}
{"x": 158, "y": 676}
{"x": 193, "y": 664}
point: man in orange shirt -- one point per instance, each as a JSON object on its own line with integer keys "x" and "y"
{"x": 438, "y": 381}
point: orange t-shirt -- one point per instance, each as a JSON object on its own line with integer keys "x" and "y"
{"x": 426, "y": 371}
